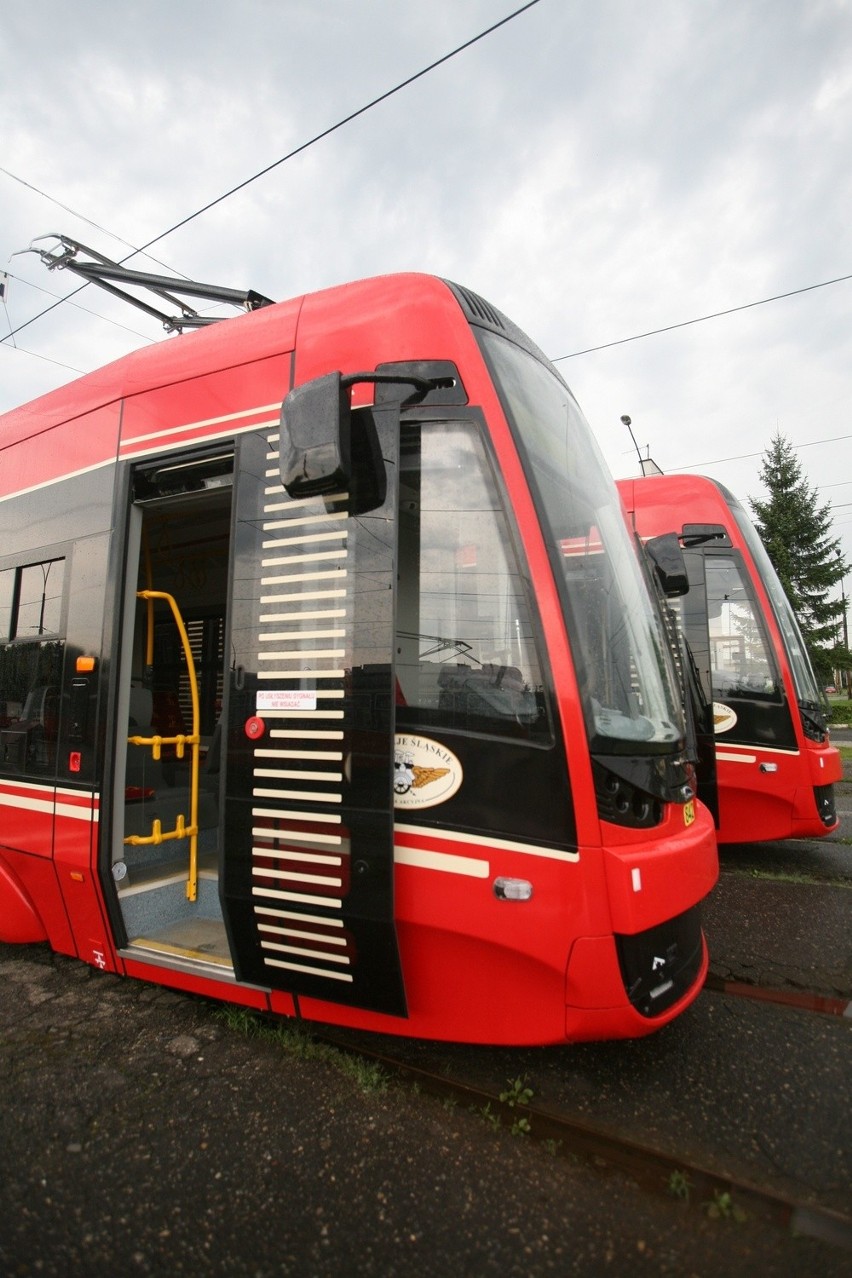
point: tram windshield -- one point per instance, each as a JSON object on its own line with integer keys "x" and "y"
{"x": 622, "y": 662}
{"x": 804, "y": 679}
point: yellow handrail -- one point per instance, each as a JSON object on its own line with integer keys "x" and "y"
{"x": 180, "y": 742}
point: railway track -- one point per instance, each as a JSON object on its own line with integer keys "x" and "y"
{"x": 656, "y": 1171}
{"x": 802, "y": 1000}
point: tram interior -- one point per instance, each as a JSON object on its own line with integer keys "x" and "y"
{"x": 184, "y": 549}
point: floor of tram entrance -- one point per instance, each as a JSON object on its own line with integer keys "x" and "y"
{"x": 159, "y": 918}
{"x": 200, "y": 938}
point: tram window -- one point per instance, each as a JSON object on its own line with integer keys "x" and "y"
{"x": 30, "y": 666}
{"x": 466, "y": 652}
{"x": 38, "y": 607}
{"x": 30, "y": 679}
{"x": 740, "y": 660}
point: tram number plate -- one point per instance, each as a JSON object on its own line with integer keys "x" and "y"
{"x": 689, "y": 812}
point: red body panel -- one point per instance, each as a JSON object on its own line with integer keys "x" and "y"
{"x": 19, "y": 918}
{"x": 648, "y": 882}
{"x": 33, "y": 879}
{"x": 76, "y": 869}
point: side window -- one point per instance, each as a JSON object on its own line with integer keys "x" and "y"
{"x": 31, "y": 653}
{"x": 466, "y": 653}
{"x": 741, "y": 664}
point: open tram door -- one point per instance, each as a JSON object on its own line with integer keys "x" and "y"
{"x": 309, "y": 819}
{"x": 166, "y": 839}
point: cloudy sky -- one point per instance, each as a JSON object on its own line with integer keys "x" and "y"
{"x": 598, "y": 169}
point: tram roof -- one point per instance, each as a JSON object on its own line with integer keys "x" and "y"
{"x": 268, "y": 331}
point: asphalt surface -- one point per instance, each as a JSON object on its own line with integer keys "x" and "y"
{"x": 143, "y": 1134}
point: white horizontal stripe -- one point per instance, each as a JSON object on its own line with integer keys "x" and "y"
{"x": 723, "y": 755}
{"x": 320, "y": 858}
{"x": 342, "y": 959}
{"x": 331, "y": 755}
{"x": 313, "y": 557}
{"x": 300, "y": 898}
{"x": 296, "y": 836}
{"x": 304, "y": 539}
{"x": 330, "y": 818}
{"x": 303, "y": 936}
{"x": 78, "y": 794}
{"x": 282, "y": 636}
{"x": 60, "y": 479}
{"x": 209, "y": 421}
{"x": 298, "y": 615}
{"x": 443, "y": 861}
{"x": 31, "y": 805}
{"x": 32, "y": 787}
{"x": 306, "y": 674}
{"x": 303, "y": 795}
{"x": 486, "y": 843}
{"x": 293, "y": 876}
{"x": 299, "y": 918}
{"x": 303, "y": 654}
{"x": 309, "y": 971}
{"x": 14, "y": 795}
{"x": 309, "y": 734}
{"x": 306, "y": 594}
{"x": 288, "y": 578}
{"x": 72, "y": 810}
{"x": 305, "y": 521}
{"x": 137, "y": 454}
{"x": 293, "y": 774}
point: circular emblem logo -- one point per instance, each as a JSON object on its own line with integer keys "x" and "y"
{"x": 425, "y": 773}
{"x": 724, "y": 717}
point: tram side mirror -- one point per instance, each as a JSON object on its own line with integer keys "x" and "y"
{"x": 669, "y": 565}
{"x": 315, "y": 438}
{"x": 327, "y": 447}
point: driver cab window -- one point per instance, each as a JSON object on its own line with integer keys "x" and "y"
{"x": 466, "y": 656}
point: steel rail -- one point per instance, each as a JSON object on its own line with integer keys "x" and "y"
{"x": 652, "y": 1168}
{"x": 801, "y": 1000}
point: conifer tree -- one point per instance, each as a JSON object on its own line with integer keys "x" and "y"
{"x": 796, "y": 531}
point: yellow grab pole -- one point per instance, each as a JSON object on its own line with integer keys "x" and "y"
{"x": 193, "y": 740}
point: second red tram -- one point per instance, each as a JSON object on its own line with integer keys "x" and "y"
{"x": 771, "y": 769}
{"x": 307, "y": 710}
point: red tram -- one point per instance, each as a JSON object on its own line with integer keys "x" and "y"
{"x": 771, "y": 774}
{"x": 306, "y": 709}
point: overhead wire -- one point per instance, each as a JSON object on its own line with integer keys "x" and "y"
{"x": 324, "y": 133}
{"x": 720, "y": 461}
{"x": 82, "y": 217}
{"x": 78, "y": 306}
{"x": 701, "y": 319}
